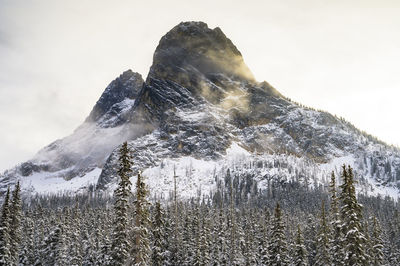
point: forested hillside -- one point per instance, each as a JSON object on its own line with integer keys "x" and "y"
{"x": 238, "y": 224}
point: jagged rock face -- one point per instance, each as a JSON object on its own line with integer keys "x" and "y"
{"x": 191, "y": 49}
{"x": 193, "y": 64}
{"x": 126, "y": 86}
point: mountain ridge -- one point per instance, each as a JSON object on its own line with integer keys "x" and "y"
{"x": 200, "y": 101}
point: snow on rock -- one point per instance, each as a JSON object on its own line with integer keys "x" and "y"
{"x": 55, "y": 183}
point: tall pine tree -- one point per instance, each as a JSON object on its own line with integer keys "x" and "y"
{"x": 278, "y": 246}
{"x": 353, "y": 242}
{"x": 121, "y": 244}
{"x": 376, "y": 252}
{"x": 141, "y": 246}
{"x": 5, "y": 255}
{"x": 15, "y": 225}
{"x": 300, "y": 251}
{"x": 336, "y": 249}
{"x": 323, "y": 256}
{"x": 158, "y": 257}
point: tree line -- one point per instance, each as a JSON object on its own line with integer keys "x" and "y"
{"x": 238, "y": 224}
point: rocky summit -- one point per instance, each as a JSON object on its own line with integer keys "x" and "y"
{"x": 199, "y": 112}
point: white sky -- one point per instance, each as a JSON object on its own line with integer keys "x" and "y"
{"x": 57, "y": 57}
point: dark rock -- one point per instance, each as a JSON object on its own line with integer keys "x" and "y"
{"x": 127, "y": 85}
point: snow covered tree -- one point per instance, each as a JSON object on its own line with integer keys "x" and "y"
{"x": 323, "y": 256}
{"x": 220, "y": 252}
{"x": 205, "y": 241}
{"x": 353, "y": 237}
{"x": 54, "y": 248}
{"x": 376, "y": 252}
{"x": 121, "y": 244}
{"x": 336, "y": 249}
{"x": 262, "y": 237}
{"x": 300, "y": 251}
{"x": 249, "y": 247}
{"x": 141, "y": 246}
{"x": 278, "y": 246}
{"x": 28, "y": 245}
{"x": 105, "y": 258}
{"x": 310, "y": 234}
{"x": 159, "y": 244}
{"x": 235, "y": 255}
{"x": 74, "y": 237}
{"x": 5, "y": 254}
{"x": 15, "y": 225}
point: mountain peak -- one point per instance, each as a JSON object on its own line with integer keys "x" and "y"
{"x": 192, "y": 47}
{"x": 127, "y": 85}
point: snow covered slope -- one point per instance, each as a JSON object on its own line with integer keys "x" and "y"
{"x": 201, "y": 112}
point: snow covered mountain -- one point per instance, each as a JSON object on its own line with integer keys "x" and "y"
{"x": 199, "y": 112}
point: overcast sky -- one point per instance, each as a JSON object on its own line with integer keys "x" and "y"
{"x": 57, "y": 57}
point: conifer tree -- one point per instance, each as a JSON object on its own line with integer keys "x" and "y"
{"x": 263, "y": 236}
{"x": 205, "y": 242}
{"x": 220, "y": 252}
{"x": 105, "y": 258}
{"x": 195, "y": 238}
{"x": 5, "y": 254}
{"x": 336, "y": 249}
{"x": 368, "y": 244}
{"x": 186, "y": 250}
{"x": 323, "y": 256}
{"x": 75, "y": 247}
{"x": 249, "y": 247}
{"x": 28, "y": 256}
{"x": 159, "y": 243}
{"x": 310, "y": 233}
{"x": 121, "y": 244}
{"x": 174, "y": 252}
{"x": 353, "y": 237}
{"x": 15, "y": 225}
{"x": 169, "y": 237}
{"x": 278, "y": 246}
{"x": 376, "y": 253}
{"x": 54, "y": 247}
{"x": 235, "y": 256}
{"x": 300, "y": 251}
{"x": 141, "y": 246}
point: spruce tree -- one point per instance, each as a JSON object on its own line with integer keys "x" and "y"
{"x": 28, "y": 256}
{"x": 310, "y": 234}
{"x": 300, "y": 251}
{"x": 278, "y": 246}
{"x": 121, "y": 244}
{"x": 249, "y": 247}
{"x": 263, "y": 236}
{"x": 175, "y": 226}
{"x": 323, "y": 256}
{"x": 5, "y": 254}
{"x": 141, "y": 246}
{"x": 220, "y": 252}
{"x": 75, "y": 237}
{"x": 236, "y": 235}
{"x": 205, "y": 241}
{"x": 15, "y": 225}
{"x": 106, "y": 249}
{"x": 158, "y": 257}
{"x": 54, "y": 247}
{"x": 376, "y": 253}
{"x": 195, "y": 259}
{"x": 336, "y": 249}
{"x": 353, "y": 242}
